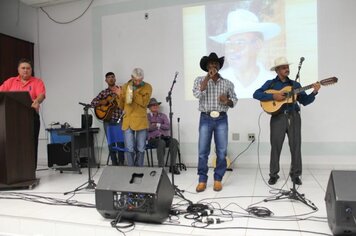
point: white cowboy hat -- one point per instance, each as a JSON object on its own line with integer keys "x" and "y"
{"x": 280, "y": 61}
{"x": 243, "y": 21}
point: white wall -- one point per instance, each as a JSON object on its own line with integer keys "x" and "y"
{"x": 71, "y": 66}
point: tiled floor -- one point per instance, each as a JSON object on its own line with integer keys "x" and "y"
{"x": 241, "y": 188}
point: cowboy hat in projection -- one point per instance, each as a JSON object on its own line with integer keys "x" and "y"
{"x": 243, "y": 21}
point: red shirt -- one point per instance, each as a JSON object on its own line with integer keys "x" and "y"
{"x": 34, "y": 86}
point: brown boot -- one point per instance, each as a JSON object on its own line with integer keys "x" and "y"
{"x": 217, "y": 185}
{"x": 201, "y": 187}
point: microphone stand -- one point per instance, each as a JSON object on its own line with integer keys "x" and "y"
{"x": 90, "y": 182}
{"x": 297, "y": 76}
{"x": 169, "y": 100}
{"x": 180, "y": 164}
{"x": 293, "y": 193}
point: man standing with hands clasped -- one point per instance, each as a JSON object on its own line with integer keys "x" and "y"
{"x": 216, "y": 95}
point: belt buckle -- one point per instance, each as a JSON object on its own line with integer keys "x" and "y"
{"x": 214, "y": 114}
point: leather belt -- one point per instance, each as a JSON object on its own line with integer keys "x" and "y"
{"x": 214, "y": 114}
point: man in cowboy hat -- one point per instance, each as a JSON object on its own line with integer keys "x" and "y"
{"x": 243, "y": 42}
{"x": 216, "y": 95}
{"x": 286, "y": 120}
{"x": 159, "y": 135}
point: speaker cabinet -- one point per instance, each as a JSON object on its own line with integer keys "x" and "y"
{"x": 136, "y": 193}
{"x": 59, "y": 154}
{"x": 340, "y": 200}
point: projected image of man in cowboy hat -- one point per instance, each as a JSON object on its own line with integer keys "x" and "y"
{"x": 243, "y": 42}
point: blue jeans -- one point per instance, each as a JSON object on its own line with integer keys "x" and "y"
{"x": 135, "y": 142}
{"x": 207, "y": 127}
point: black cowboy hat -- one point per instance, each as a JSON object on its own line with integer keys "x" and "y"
{"x": 211, "y": 58}
{"x": 153, "y": 101}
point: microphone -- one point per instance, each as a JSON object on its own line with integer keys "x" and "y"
{"x": 301, "y": 61}
{"x": 123, "y": 113}
{"x": 84, "y": 104}
{"x": 212, "y": 72}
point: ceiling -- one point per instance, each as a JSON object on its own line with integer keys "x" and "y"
{"x": 45, "y": 3}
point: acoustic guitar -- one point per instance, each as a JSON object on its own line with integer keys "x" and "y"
{"x": 273, "y": 107}
{"x": 104, "y": 112}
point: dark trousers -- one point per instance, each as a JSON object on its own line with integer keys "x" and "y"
{"x": 290, "y": 124}
{"x": 119, "y": 159}
{"x": 160, "y": 144}
{"x": 36, "y": 133}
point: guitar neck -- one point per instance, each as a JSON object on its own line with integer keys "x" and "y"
{"x": 298, "y": 90}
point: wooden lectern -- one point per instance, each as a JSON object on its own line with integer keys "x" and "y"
{"x": 17, "y": 151}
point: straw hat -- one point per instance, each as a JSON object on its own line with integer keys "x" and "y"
{"x": 280, "y": 61}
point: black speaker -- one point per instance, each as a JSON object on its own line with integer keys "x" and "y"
{"x": 136, "y": 193}
{"x": 84, "y": 122}
{"x": 340, "y": 200}
{"x": 59, "y": 154}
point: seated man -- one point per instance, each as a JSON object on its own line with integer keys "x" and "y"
{"x": 159, "y": 135}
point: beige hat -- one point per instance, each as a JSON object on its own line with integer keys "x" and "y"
{"x": 280, "y": 61}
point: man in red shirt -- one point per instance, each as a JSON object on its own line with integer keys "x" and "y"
{"x": 36, "y": 88}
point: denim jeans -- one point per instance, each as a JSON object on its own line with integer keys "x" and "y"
{"x": 207, "y": 127}
{"x": 135, "y": 142}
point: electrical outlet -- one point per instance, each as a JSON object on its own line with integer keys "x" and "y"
{"x": 251, "y": 136}
{"x": 235, "y": 136}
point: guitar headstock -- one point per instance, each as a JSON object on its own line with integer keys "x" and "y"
{"x": 328, "y": 81}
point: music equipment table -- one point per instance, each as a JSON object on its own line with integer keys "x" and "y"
{"x": 78, "y": 142}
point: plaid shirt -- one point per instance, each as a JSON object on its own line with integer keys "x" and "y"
{"x": 103, "y": 95}
{"x": 163, "y": 130}
{"x": 209, "y": 98}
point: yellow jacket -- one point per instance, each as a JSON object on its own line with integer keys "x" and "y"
{"x": 135, "y": 116}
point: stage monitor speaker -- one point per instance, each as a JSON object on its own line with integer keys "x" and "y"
{"x": 340, "y": 200}
{"x": 136, "y": 193}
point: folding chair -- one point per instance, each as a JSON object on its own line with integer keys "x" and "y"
{"x": 149, "y": 154}
{"x": 114, "y": 135}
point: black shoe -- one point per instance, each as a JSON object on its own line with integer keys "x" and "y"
{"x": 272, "y": 180}
{"x": 176, "y": 171}
{"x": 297, "y": 181}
